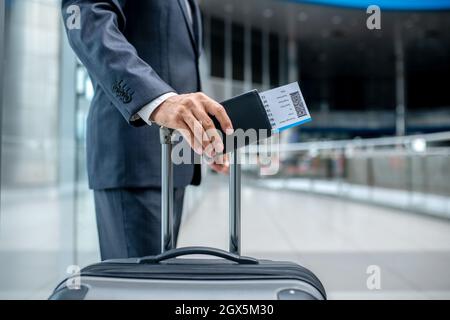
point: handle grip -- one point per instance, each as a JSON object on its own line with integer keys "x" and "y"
{"x": 174, "y": 253}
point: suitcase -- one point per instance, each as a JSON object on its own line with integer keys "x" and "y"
{"x": 172, "y": 276}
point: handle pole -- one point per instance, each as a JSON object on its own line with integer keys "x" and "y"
{"x": 235, "y": 204}
{"x": 165, "y": 135}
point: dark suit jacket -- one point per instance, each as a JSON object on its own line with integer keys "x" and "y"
{"x": 134, "y": 51}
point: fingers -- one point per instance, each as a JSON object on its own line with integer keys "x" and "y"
{"x": 189, "y": 136}
{"x": 216, "y": 167}
{"x": 212, "y": 134}
{"x": 192, "y": 111}
{"x": 221, "y": 165}
{"x": 198, "y": 132}
{"x": 196, "y": 127}
{"x": 217, "y": 110}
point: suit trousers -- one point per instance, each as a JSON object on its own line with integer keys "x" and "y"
{"x": 129, "y": 221}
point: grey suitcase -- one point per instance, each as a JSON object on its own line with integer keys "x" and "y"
{"x": 223, "y": 276}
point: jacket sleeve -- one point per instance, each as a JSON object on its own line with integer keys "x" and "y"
{"x": 97, "y": 39}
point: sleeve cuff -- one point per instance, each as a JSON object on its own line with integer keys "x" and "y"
{"x": 148, "y": 109}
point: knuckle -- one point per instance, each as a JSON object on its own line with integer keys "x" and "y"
{"x": 181, "y": 110}
{"x": 188, "y": 102}
{"x": 208, "y": 122}
{"x": 219, "y": 108}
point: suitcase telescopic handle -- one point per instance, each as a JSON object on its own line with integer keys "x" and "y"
{"x": 174, "y": 253}
{"x": 167, "y": 233}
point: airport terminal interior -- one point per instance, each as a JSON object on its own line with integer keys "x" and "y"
{"x": 361, "y": 191}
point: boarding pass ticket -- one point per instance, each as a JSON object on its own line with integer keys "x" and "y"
{"x": 285, "y": 107}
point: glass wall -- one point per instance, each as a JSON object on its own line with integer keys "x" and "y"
{"x": 47, "y": 221}
{"x": 347, "y": 73}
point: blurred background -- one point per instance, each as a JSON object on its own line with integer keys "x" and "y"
{"x": 366, "y": 183}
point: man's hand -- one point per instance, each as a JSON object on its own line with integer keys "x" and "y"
{"x": 220, "y": 164}
{"x": 190, "y": 114}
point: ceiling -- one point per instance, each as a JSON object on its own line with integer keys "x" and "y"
{"x": 308, "y": 21}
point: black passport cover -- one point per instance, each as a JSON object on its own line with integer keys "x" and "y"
{"x": 246, "y": 111}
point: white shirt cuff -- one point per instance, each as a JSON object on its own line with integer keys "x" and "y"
{"x": 148, "y": 109}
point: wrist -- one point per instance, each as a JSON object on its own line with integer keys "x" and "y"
{"x": 154, "y": 115}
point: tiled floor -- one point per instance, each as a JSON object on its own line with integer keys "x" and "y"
{"x": 335, "y": 238}
{"x": 38, "y": 237}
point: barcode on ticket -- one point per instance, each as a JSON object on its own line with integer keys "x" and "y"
{"x": 298, "y": 103}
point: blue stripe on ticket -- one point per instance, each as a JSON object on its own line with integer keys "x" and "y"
{"x": 292, "y": 125}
